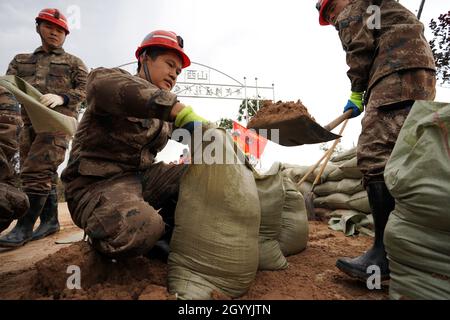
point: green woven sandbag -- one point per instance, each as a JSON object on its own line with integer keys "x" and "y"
{"x": 359, "y": 202}
{"x": 350, "y": 169}
{"x": 417, "y": 235}
{"x": 214, "y": 246}
{"x": 294, "y": 220}
{"x": 333, "y": 201}
{"x": 271, "y": 198}
{"x": 346, "y": 155}
{"x": 347, "y": 186}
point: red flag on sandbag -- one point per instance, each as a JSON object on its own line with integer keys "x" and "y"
{"x": 248, "y": 140}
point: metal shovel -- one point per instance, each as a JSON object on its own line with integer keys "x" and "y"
{"x": 301, "y": 130}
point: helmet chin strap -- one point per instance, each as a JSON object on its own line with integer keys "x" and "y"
{"x": 146, "y": 72}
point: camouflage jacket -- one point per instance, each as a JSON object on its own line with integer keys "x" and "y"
{"x": 371, "y": 53}
{"x": 124, "y": 126}
{"x": 10, "y": 123}
{"x": 56, "y": 72}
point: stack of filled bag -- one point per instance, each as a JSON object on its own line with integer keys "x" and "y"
{"x": 339, "y": 193}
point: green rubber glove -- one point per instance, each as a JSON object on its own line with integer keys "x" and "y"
{"x": 186, "y": 116}
{"x": 355, "y": 103}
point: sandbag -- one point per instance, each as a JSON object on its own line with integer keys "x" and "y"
{"x": 44, "y": 119}
{"x": 271, "y": 197}
{"x": 359, "y": 202}
{"x": 294, "y": 220}
{"x": 333, "y": 201}
{"x": 419, "y": 259}
{"x": 347, "y": 186}
{"x": 417, "y": 235}
{"x": 336, "y": 175}
{"x": 304, "y": 188}
{"x": 350, "y": 169}
{"x": 346, "y": 155}
{"x": 214, "y": 246}
{"x": 296, "y": 173}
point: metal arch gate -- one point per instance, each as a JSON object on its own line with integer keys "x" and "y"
{"x": 202, "y": 81}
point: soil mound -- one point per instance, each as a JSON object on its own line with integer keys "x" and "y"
{"x": 275, "y": 112}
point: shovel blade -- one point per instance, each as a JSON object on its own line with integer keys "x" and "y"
{"x": 296, "y": 132}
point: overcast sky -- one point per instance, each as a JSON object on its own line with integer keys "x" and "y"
{"x": 278, "y": 42}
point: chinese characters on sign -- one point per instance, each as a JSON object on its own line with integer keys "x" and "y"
{"x": 208, "y": 91}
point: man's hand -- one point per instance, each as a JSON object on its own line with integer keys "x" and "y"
{"x": 355, "y": 104}
{"x": 52, "y": 100}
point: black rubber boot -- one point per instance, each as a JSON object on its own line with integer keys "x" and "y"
{"x": 23, "y": 230}
{"x": 382, "y": 204}
{"x": 49, "y": 218}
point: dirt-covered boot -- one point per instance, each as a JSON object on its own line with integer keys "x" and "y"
{"x": 49, "y": 218}
{"x": 382, "y": 204}
{"x": 23, "y": 230}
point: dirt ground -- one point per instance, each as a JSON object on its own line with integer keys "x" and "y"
{"x": 39, "y": 270}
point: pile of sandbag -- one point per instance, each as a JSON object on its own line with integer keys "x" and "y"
{"x": 339, "y": 194}
{"x": 417, "y": 236}
{"x": 231, "y": 221}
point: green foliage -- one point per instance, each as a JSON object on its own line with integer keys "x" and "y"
{"x": 440, "y": 45}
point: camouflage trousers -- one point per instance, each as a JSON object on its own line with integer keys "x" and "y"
{"x": 388, "y": 107}
{"x": 40, "y": 156}
{"x": 126, "y": 214}
{"x": 13, "y": 202}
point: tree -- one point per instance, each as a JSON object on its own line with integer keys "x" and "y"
{"x": 440, "y": 45}
{"x": 225, "y": 123}
{"x": 253, "y": 107}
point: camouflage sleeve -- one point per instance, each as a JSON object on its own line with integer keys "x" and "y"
{"x": 78, "y": 92}
{"x": 359, "y": 45}
{"x": 119, "y": 93}
{"x": 12, "y": 68}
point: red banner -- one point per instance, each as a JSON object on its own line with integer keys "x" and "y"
{"x": 248, "y": 140}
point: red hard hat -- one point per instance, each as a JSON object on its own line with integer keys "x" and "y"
{"x": 166, "y": 39}
{"x": 321, "y": 6}
{"x": 53, "y": 16}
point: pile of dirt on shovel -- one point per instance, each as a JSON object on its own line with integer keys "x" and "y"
{"x": 274, "y": 112}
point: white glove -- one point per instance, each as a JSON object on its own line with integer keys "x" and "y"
{"x": 52, "y": 100}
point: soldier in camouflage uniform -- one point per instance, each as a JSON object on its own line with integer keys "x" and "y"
{"x": 391, "y": 65}
{"x": 13, "y": 202}
{"x": 115, "y": 191}
{"x": 61, "y": 78}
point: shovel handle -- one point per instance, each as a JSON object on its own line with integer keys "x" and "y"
{"x": 329, "y": 153}
{"x": 333, "y": 124}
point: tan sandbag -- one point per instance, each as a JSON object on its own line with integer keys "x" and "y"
{"x": 333, "y": 201}
{"x": 271, "y": 198}
{"x": 304, "y": 188}
{"x": 296, "y": 173}
{"x": 346, "y": 155}
{"x": 359, "y": 202}
{"x": 293, "y": 236}
{"x": 336, "y": 175}
{"x": 350, "y": 169}
{"x": 347, "y": 186}
{"x": 214, "y": 246}
{"x": 43, "y": 119}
